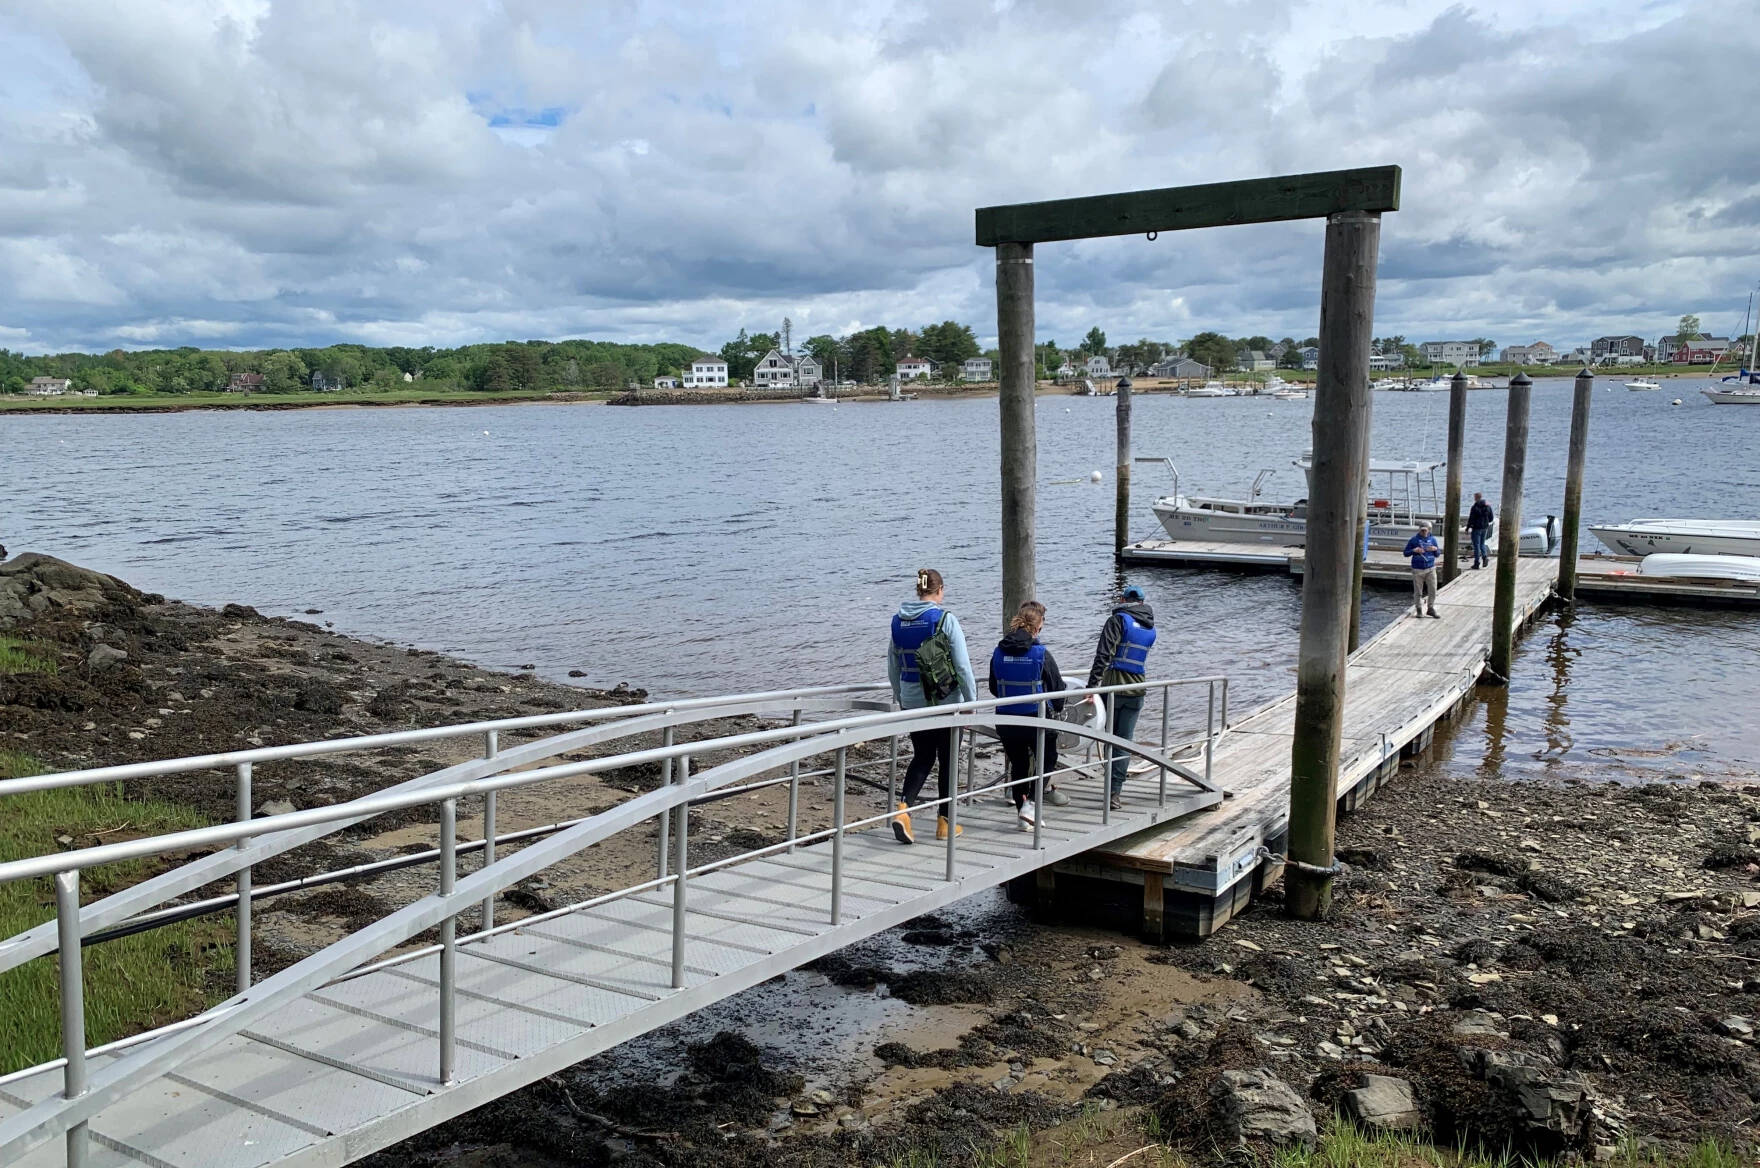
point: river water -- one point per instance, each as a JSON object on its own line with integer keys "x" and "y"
{"x": 708, "y": 549}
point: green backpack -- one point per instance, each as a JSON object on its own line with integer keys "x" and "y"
{"x": 935, "y": 664}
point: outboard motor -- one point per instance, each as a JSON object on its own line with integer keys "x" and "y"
{"x": 1541, "y": 539}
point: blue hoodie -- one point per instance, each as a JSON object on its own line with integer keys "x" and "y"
{"x": 911, "y": 697}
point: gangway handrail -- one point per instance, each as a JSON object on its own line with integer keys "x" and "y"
{"x": 123, "y": 772}
{"x": 367, "y": 806}
{"x": 609, "y": 723}
{"x": 82, "y": 1098}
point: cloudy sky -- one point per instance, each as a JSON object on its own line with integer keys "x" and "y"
{"x": 245, "y": 173}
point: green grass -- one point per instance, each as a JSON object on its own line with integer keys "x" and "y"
{"x": 132, "y": 984}
{"x": 20, "y": 656}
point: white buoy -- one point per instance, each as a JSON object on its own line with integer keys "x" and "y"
{"x": 485, "y": 433}
{"x": 1094, "y": 477}
{"x": 1675, "y": 402}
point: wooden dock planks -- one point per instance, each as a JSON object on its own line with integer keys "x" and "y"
{"x": 1398, "y": 685}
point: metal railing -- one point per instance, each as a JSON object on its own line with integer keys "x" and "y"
{"x": 608, "y": 724}
{"x": 786, "y": 746}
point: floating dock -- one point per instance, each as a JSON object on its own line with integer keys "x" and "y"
{"x": 1603, "y": 577}
{"x": 1191, "y": 876}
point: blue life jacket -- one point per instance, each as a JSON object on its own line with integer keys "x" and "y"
{"x": 1132, "y": 654}
{"x": 908, "y": 635}
{"x": 1018, "y": 674}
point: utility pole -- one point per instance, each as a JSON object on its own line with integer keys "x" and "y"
{"x": 1509, "y": 529}
{"x": 1014, "y": 328}
{"x": 1573, "y": 486}
{"x": 1336, "y": 500}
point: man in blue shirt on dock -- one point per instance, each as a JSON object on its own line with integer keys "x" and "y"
{"x": 1424, "y": 549}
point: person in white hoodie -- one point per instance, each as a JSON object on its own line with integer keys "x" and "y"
{"x": 915, "y": 622}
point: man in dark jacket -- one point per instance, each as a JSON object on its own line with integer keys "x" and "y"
{"x": 1479, "y": 520}
{"x": 1121, "y": 658}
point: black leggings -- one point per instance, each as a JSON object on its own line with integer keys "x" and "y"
{"x": 1017, "y": 745}
{"x": 929, "y": 747}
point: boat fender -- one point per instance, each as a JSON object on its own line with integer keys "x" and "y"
{"x": 1378, "y": 502}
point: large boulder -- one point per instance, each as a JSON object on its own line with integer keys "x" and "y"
{"x": 32, "y": 584}
{"x": 1258, "y": 1107}
{"x": 1546, "y": 1106}
{"x": 1383, "y": 1103}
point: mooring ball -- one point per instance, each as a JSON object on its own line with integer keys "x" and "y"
{"x": 1095, "y": 477}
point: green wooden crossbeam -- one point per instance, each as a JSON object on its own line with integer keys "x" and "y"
{"x": 1256, "y": 200}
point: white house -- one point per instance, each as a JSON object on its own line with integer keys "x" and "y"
{"x": 807, "y": 370}
{"x": 49, "y": 386}
{"x": 1098, "y": 366}
{"x": 1378, "y": 362}
{"x": 666, "y": 383}
{"x": 706, "y": 371}
{"x": 1457, "y": 353}
{"x": 773, "y": 369}
{"x": 1253, "y": 361}
{"x": 1538, "y": 353}
{"x": 1066, "y": 370}
{"x": 914, "y": 367}
{"x": 975, "y": 369}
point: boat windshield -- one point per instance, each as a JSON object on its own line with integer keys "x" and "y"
{"x": 1399, "y": 492}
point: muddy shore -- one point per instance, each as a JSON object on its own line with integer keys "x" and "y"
{"x": 1555, "y": 969}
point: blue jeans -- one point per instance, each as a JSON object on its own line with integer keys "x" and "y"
{"x": 1480, "y": 555}
{"x": 1125, "y": 709}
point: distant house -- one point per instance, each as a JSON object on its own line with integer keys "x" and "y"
{"x": 1627, "y": 346}
{"x": 49, "y": 386}
{"x": 326, "y": 383}
{"x": 773, "y": 369}
{"x": 1311, "y": 357}
{"x": 1698, "y": 351}
{"x": 1253, "y": 361}
{"x": 1538, "y": 353}
{"x": 1460, "y": 354}
{"x": 808, "y": 371}
{"x": 706, "y": 371}
{"x": 1065, "y": 370}
{"x": 1179, "y": 368}
{"x": 408, "y": 377}
{"x": 975, "y": 369}
{"x": 1097, "y": 366}
{"x": 666, "y": 383}
{"x": 1378, "y": 362}
{"x": 914, "y": 367}
{"x": 245, "y": 383}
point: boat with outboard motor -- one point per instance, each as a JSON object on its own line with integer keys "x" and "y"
{"x": 1401, "y": 496}
{"x": 1642, "y": 385}
{"x": 1210, "y": 389}
{"x": 1742, "y": 569}
{"x": 1716, "y": 537}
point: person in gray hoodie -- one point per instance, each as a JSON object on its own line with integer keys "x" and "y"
{"x": 915, "y": 622}
{"x": 1122, "y": 658}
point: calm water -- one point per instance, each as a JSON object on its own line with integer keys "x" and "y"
{"x": 706, "y": 549}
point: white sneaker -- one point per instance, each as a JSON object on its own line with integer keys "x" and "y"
{"x": 1027, "y": 812}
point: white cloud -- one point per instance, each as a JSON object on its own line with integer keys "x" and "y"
{"x": 267, "y": 172}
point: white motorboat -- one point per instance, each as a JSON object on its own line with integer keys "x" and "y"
{"x": 1291, "y": 394}
{"x": 820, "y": 401}
{"x": 1745, "y": 569}
{"x": 1716, "y": 537}
{"x": 1642, "y": 384}
{"x": 1385, "y": 383}
{"x": 1401, "y": 495}
{"x": 1209, "y": 389}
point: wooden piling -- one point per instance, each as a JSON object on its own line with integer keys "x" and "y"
{"x": 1014, "y": 333}
{"x": 1334, "y": 555}
{"x": 1357, "y": 581}
{"x": 1121, "y": 512}
{"x": 1509, "y": 530}
{"x": 1457, "y": 448}
{"x": 1573, "y": 486}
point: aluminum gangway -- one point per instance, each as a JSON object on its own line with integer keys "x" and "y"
{"x": 378, "y": 1036}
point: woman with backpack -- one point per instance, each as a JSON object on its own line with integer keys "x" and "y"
{"x": 1020, "y": 666}
{"x": 923, "y": 626}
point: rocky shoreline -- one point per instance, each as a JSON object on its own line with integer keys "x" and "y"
{"x": 1555, "y": 969}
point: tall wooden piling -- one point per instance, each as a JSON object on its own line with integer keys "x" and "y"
{"x": 1457, "y": 449}
{"x": 1014, "y": 334}
{"x": 1573, "y": 485}
{"x": 1121, "y": 509}
{"x": 1509, "y": 530}
{"x": 1336, "y": 497}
